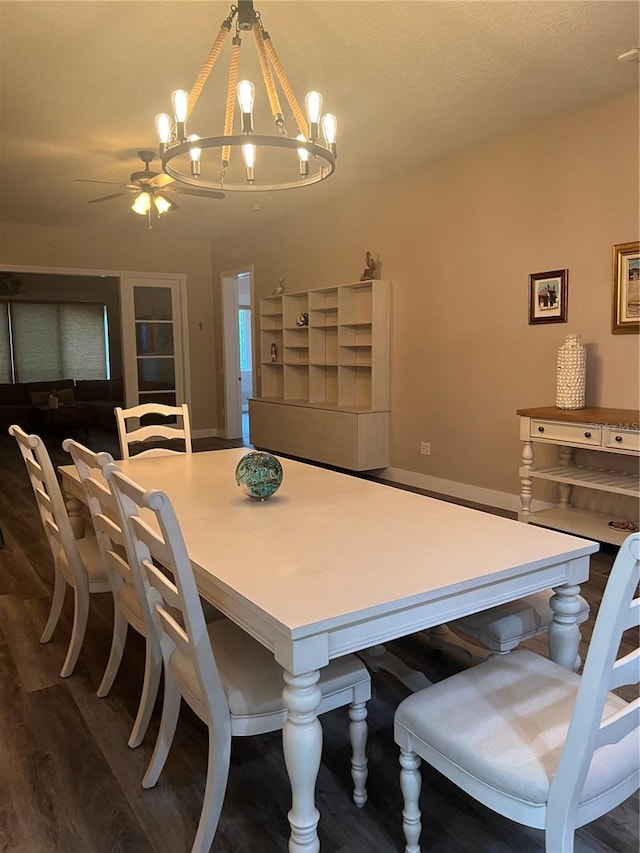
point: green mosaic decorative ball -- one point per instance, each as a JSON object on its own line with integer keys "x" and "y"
{"x": 259, "y": 475}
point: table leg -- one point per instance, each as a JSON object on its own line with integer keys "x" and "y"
{"x": 526, "y": 482}
{"x": 74, "y": 510}
{"x": 302, "y": 746}
{"x": 564, "y": 633}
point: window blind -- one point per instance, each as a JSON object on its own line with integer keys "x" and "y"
{"x": 58, "y": 341}
{"x": 5, "y": 352}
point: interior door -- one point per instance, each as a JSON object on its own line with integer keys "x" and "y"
{"x": 154, "y": 370}
{"x": 232, "y": 375}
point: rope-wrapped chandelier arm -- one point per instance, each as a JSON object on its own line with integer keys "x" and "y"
{"x": 267, "y": 76}
{"x": 231, "y": 99}
{"x": 284, "y": 82}
{"x": 209, "y": 62}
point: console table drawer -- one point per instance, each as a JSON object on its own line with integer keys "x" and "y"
{"x": 622, "y": 439}
{"x": 574, "y": 433}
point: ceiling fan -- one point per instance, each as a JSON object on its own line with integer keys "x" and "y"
{"x": 150, "y": 188}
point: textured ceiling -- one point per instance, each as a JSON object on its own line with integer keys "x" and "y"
{"x": 410, "y": 82}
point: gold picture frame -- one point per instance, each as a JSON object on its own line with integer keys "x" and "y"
{"x": 625, "y": 303}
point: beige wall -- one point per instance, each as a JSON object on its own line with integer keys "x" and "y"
{"x": 148, "y": 252}
{"x": 458, "y": 240}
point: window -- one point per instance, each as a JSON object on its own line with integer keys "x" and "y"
{"x": 5, "y": 350}
{"x": 41, "y": 341}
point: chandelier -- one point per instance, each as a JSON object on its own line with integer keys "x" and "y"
{"x": 246, "y": 161}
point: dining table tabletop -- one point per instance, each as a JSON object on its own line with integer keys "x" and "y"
{"x": 334, "y": 563}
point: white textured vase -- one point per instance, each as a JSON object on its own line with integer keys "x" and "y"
{"x": 571, "y": 374}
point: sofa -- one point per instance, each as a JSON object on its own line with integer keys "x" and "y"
{"x": 19, "y": 401}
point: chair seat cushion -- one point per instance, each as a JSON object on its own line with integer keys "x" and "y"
{"x": 252, "y": 678}
{"x": 503, "y": 627}
{"x": 504, "y": 723}
{"x": 91, "y": 558}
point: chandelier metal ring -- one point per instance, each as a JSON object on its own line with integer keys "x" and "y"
{"x": 326, "y": 158}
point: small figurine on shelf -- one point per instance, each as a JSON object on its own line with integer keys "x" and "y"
{"x": 279, "y": 289}
{"x": 274, "y": 352}
{"x": 370, "y": 271}
{"x": 303, "y": 319}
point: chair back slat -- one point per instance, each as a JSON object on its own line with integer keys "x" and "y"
{"x": 625, "y": 670}
{"x": 634, "y": 615}
{"x": 131, "y": 431}
{"x": 153, "y": 543}
{"x": 168, "y": 594}
{"x": 619, "y": 725}
{"x": 34, "y": 469}
{"x": 162, "y": 584}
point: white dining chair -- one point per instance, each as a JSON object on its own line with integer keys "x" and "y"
{"x": 502, "y": 628}
{"x": 139, "y": 424}
{"x": 529, "y": 739}
{"x": 77, "y": 562}
{"x": 130, "y": 605}
{"x": 230, "y": 681}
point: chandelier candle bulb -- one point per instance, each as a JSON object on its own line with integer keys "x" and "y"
{"x": 195, "y": 153}
{"x": 246, "y": 95}
{"x": 303, "y": 154}
{"x": 313, "y": 105}
{"x": 163, "y": 128}
{"x": 329, "y": 131}
{"x": 180, "y": 103}
{"x": 249, "y": 155}
{"x": 571, "y": 374}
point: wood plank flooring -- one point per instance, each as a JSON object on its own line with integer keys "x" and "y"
{"x": 70, "y": 784}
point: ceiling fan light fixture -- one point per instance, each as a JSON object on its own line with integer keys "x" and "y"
{"x": 162, "y": 204}
{"x": 142, "y": 204}
{"x": 176, "y": 148}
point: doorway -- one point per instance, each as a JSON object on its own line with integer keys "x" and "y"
{"x": 237, "y": 303}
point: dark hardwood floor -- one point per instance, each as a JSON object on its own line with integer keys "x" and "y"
{"x": 70, "y": 784}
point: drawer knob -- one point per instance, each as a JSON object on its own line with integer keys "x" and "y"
{"x": 587, "y": 435}
{"x": 540, "y": 429}
{"x": 619, "y": 438}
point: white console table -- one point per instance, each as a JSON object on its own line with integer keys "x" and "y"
{"x": 602, "y": 432}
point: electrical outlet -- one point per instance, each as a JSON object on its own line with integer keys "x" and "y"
{"x": 425, "y": 448}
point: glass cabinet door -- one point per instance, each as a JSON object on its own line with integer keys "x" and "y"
{"x": 153, "y": 363}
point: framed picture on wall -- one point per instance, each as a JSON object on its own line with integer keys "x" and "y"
{"x": 548, "y": 296}
{"x": 626, "y": 289}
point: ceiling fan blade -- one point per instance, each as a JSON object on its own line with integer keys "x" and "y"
{"x": 107, "y": 197}
{"x": 194, "y": 192}
{"x": 160, "y": 180}
{"x": 91, "y": 181}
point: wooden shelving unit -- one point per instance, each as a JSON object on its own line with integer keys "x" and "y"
{"x": 325, "y": 351}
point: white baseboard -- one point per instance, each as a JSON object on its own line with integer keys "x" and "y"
{"x": 464, "y": 491}
{"x": 207, "y": 433}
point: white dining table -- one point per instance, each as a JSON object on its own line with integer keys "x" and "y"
{"x": 333, "y": 564}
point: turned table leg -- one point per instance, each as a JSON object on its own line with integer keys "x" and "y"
{"x": 564, "y": 633}
{"x": 526, "y": 481}
{"x": 302, "y": 745}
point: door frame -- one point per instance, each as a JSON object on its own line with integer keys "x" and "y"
{"x": 231, "y": 348}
